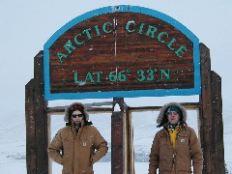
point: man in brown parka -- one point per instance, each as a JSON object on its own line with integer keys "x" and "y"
{"x": 176, "y": 148}
{"x": 78, "y": 145}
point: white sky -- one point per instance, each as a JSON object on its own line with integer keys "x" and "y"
{"x": 26, "y": 25}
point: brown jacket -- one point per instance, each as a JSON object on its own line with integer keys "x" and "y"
{"x": 77, "y": 151}
{"x": 187, "y": 152}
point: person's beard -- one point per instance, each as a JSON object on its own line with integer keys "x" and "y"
{"x": 77, "y": 125}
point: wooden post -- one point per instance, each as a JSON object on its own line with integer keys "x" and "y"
{"x": 30, "y": 128}
{"x": 211, "y": 128}
{"x": 217, "y": 129}
{"x": 130, "y": 143}
{"x": 118, "y": 151}
{"x": 206, "y": 110}
{"x": 36, "y": 121}
{"x": 40, "y": 116}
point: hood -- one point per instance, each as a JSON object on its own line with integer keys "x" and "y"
{"x": 74, "y": 107}
{"x": 161, "y": 120}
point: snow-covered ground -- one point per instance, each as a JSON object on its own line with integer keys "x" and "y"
{"x": 105, "y": 168}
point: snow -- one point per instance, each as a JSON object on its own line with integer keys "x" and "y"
{"x": 105, "y": 167}
{"x": 27, "y": 25}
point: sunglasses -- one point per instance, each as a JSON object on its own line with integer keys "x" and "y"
{"x": 77, "y": 115}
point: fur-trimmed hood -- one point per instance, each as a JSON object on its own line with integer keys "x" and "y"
{"x": 73, "y": 107}
{"x": 162, "y": 115}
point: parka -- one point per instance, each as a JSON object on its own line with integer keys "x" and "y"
{"x": 78, "y": 150}
{"x": 186, "y": 154}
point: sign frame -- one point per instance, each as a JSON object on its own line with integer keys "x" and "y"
{"x": 129, "y": 93}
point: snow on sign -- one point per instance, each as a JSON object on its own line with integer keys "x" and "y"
{"x": 121, "y": 51}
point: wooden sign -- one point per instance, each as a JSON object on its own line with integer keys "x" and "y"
{"x": 122, "y": 51}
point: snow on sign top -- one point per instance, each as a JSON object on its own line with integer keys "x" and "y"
{"x": 121, "y": 51}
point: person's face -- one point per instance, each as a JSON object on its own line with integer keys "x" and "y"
{"x": 77, "y": 117}
{"x": 173, "y": 117}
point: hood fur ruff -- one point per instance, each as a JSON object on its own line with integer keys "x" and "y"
{"x": 165, "y": 107}
{"x": 66, "y": 116}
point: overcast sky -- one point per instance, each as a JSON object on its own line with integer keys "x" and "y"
{"x": 26, "y": 25}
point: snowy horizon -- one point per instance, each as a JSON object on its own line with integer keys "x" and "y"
{"x": 27, "y": 25}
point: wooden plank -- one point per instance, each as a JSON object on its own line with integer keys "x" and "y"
{"x": 206, "y": 110}
{"x": 41, "y": 118}
{"x": 217, "y": 133}
{"x": 31, "y": 159}
{"x": 190, "y": 105}
{"x": 57, "y": 110}
{"x": 114, "y": 41}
